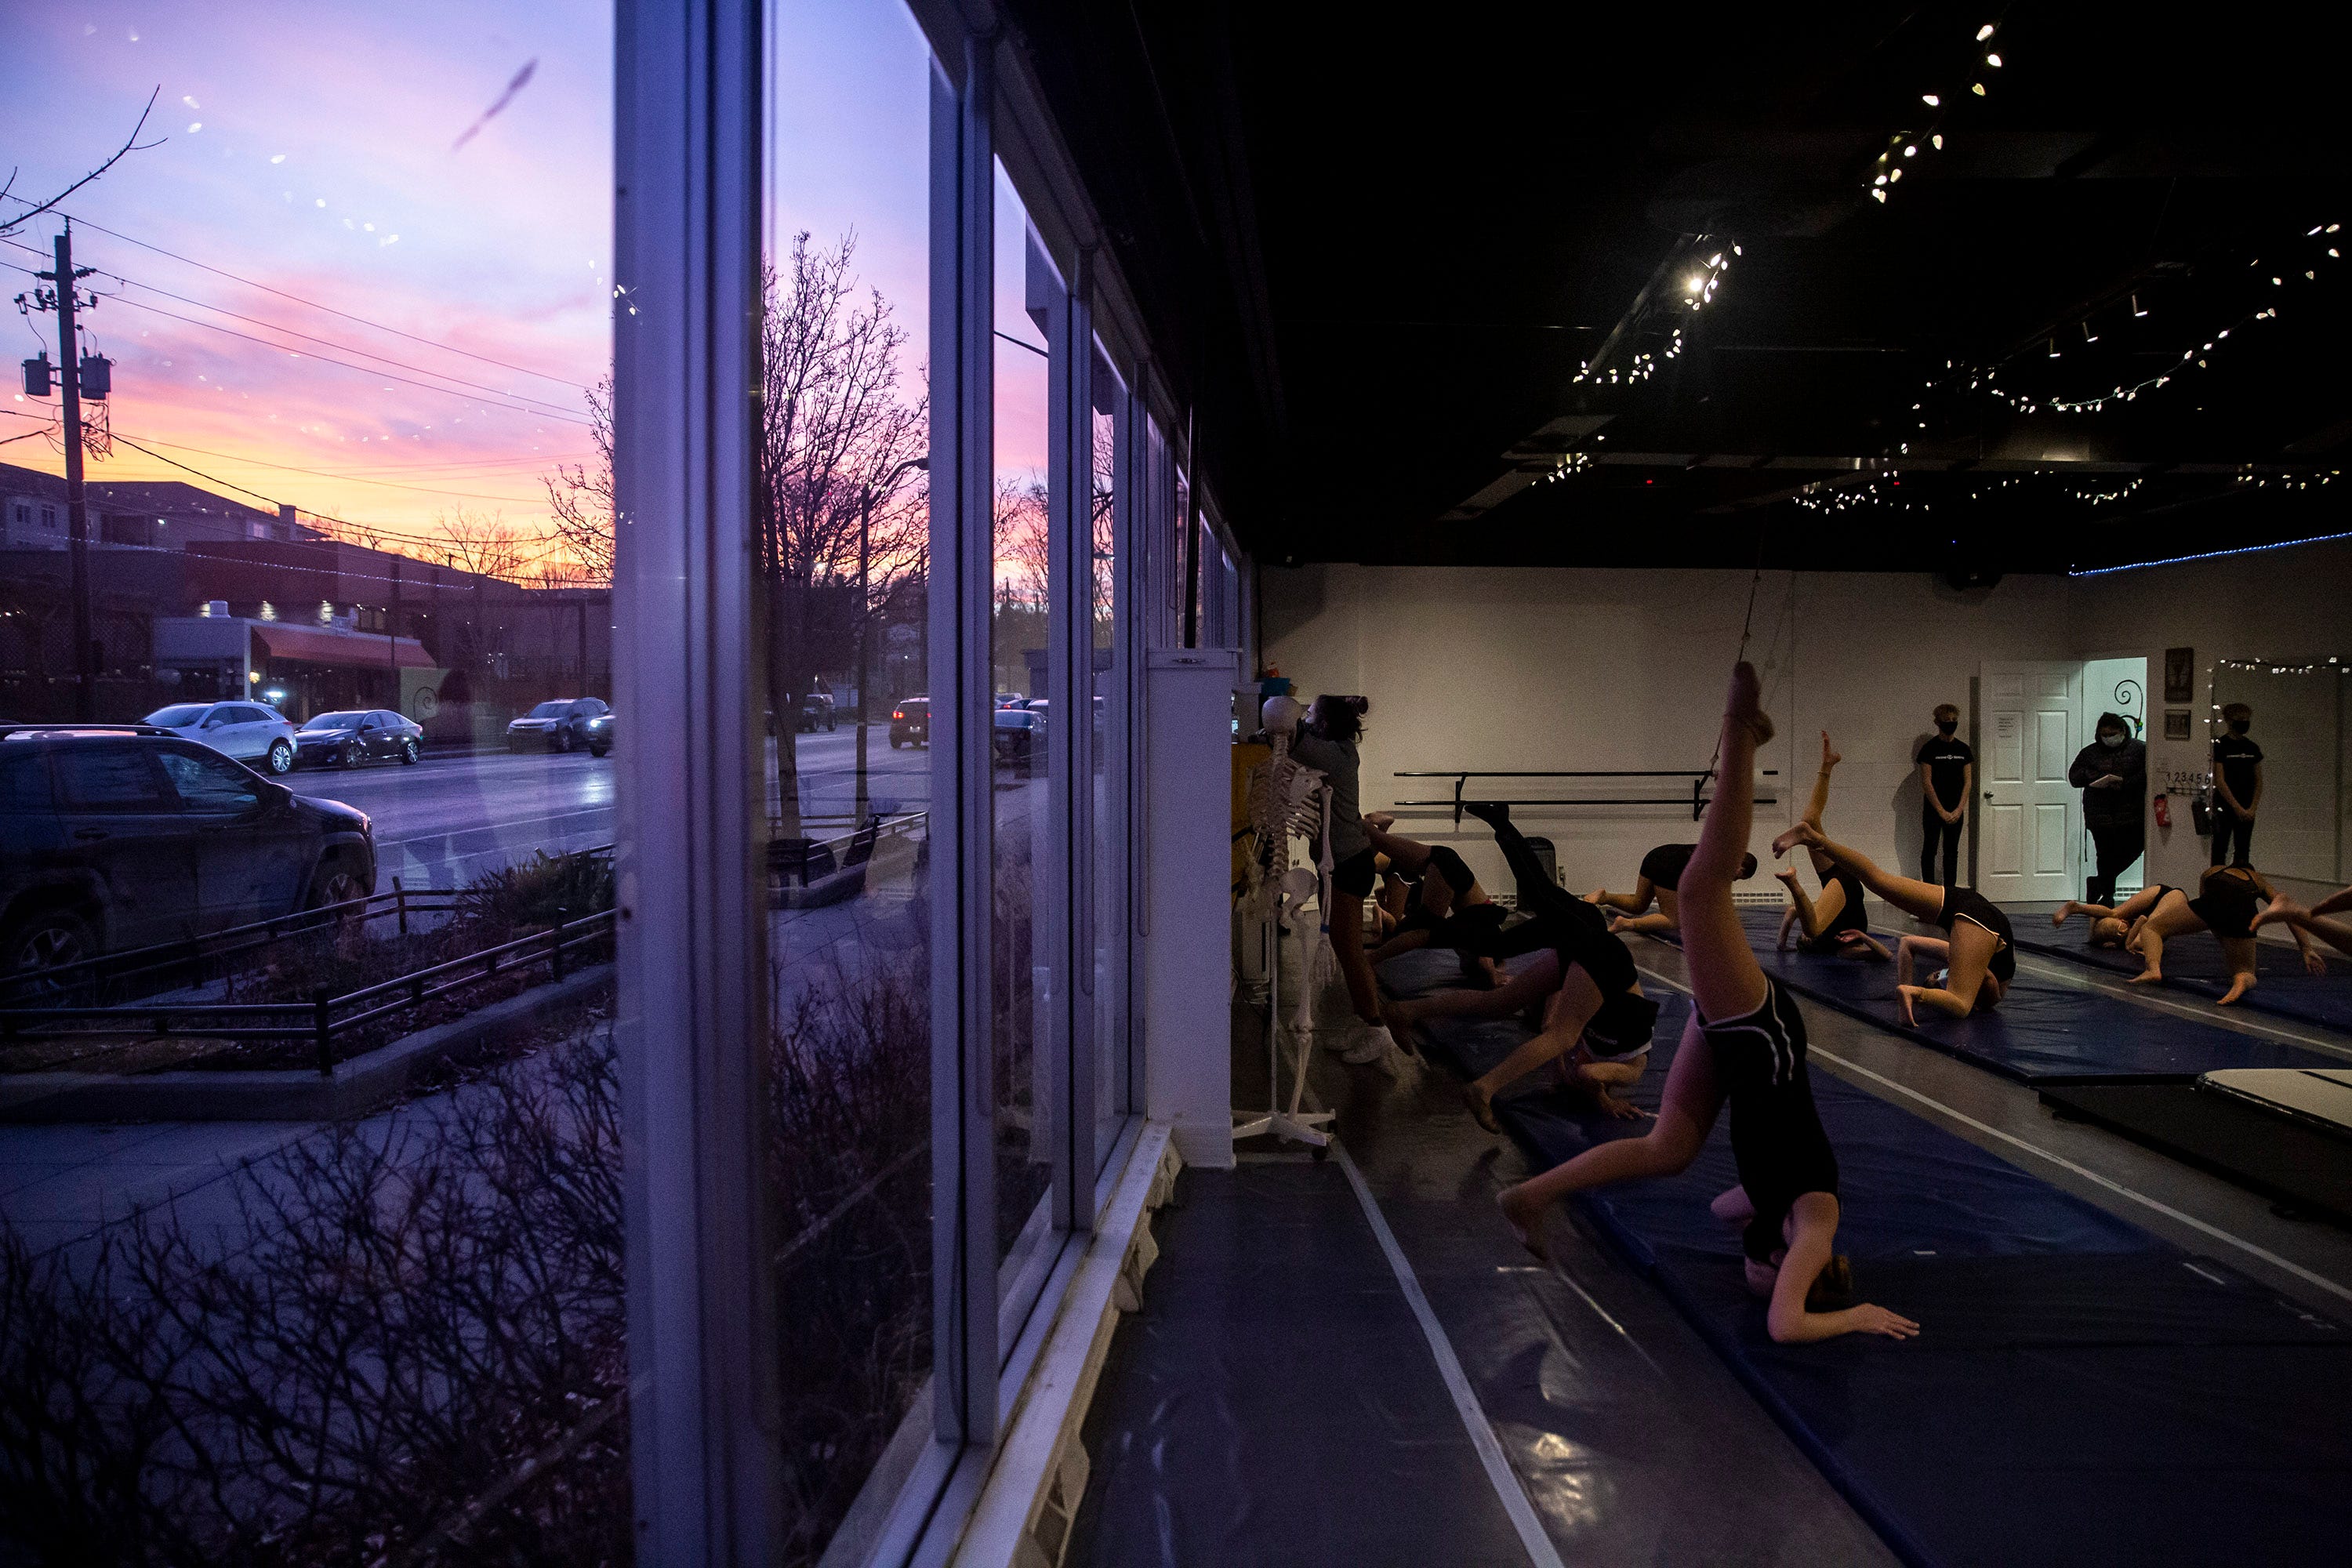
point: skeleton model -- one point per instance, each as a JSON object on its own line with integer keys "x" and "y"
{"x": 1286, "y": 797}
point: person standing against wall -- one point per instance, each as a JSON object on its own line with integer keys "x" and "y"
{"x": 1947, "y": 772}
{"x": 2111, "y": 773}
{"x": 2237, "y": 787}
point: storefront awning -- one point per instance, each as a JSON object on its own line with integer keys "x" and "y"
{"x": 316, "y": 645}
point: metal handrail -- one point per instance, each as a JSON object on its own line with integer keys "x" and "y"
{"x": 315, "y": 1018}
{"x": 232, "y": 941}
{"x": 1461, "y": 776}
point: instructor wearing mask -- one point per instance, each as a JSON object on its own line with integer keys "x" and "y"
{"x": 2112, "y": 772}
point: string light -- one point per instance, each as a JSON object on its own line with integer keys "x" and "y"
{"x": 1886, "y": 170}
{"x": 2197, "y": 356}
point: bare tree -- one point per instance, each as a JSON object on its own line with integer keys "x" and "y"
{"x": 482, "y": 542}
{"x": 131, "y": 143}
{"x": 581, "y": 495}
{"x": 836, "y": 427}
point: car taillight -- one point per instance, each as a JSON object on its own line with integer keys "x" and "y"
{"x": 897, "y": 712}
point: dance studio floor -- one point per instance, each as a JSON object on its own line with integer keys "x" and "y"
{"x": 1293, "y": 1392}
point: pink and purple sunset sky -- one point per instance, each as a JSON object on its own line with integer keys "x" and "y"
{"x": 313, "y": 150}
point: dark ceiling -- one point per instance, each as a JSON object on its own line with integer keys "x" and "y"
{"x": 1379, "y": 253}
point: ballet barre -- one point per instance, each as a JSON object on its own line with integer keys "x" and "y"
{"x": 1462, "y": 776}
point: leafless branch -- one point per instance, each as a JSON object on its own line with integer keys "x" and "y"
{"x": 130, "y": 144}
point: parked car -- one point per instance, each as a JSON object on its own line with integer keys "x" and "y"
{"x": 250, "y": 731}
{"x": 817, "y": 709}
{"x": 1019, "y": 736}
{"x": 562, "y": 725}
{"x": 114, "y": 837}
{"x": 910, "y": 722}
{"x": 351, "y": 736}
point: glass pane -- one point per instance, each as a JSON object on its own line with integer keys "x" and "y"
{"x": 1107, "y": 771}
{"x": 844, "y": 568}
{"x": 1024, "y": 731}
{"x": 356, "y": 304}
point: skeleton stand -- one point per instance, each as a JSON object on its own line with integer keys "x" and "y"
{"x": 1277, "y": 817}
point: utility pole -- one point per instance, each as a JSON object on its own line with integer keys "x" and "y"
{"x": 77, "y": 507}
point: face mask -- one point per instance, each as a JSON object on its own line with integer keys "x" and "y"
{"x": 1944, "y": 728}
{"x": 2240, "y": 726}
{"x": 2111, "y": 740}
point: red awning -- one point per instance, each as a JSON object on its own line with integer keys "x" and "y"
{"x": 317, "y": 645}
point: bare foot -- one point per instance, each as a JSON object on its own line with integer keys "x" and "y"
{"x": 1904, "y": 993}
{"x": 1525, "y": 1219}
{"x": 2280, "y": 909}
{"x": 1744, "y": 704}
{"x": 2148, "y": 977}
{"x": 2065, "y": 912}
{"x": 1830, "y": 759}
{"x": 1804, "y": 833}
{"x": 1481, "y": 1106}
{"x": 2242, "y": 983}
{"x": 1595, "y": 896}
{"x": 1786, "y": 874}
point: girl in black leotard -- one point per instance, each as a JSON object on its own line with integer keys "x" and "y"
{"x": 1836, "y": 923}
{"x": 2109, "y": 927}
{"x": 1597, "y": 1021}
{"x": 1745, "y": 1046}
{"x": 2226, "y": 904}
{"x": 1981, "y": 960}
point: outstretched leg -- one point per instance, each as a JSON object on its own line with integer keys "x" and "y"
{"x": 2336, "y": 934}
{"x": 1921, "y": 900}
{"x": 1687, "y": 1114}
{"x": 1538, "y": 980}
{"x": 1726, "y": 980}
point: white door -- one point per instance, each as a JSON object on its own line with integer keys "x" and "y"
{"x": 2031, "y": 729}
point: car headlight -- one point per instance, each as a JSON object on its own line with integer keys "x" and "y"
{"x": 599, "y": 723}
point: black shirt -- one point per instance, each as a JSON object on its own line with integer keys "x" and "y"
{"x": 1947, "y": 758}
{"x": 1665, "y": 864}
{"x": 2235, "y": 758}
{"x": 2119, "y": 806}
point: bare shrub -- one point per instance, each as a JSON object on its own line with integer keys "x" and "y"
{"x": 410, "y": 1345}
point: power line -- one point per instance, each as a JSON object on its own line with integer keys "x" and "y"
{"x": 330, "y": 359}
{"x": 314, "y": 473}
{"x": 368, "y": 529}
{"x": 314, "y": 304}
{"x": 329, "y": 342}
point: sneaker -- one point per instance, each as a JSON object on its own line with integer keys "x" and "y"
{"x": 1376, "y": 1044}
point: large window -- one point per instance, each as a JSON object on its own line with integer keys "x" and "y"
{"x": 1030, "y": 739}
{"x": 841, "y": 498}
{"x": 347, "y": 533}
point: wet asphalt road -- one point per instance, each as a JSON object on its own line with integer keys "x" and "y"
{"x": 452, "y": 816}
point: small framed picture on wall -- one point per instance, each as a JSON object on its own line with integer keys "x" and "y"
{"x": 2180, "y": 678}
{"x": 2176, "y": 723}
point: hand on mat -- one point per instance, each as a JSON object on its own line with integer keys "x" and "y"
{"x": 1872, "y": 1319}
{"x": 1903, "y": 994}
{"x": 1622, "y": 1109}
{"x": 2313, "y": 963}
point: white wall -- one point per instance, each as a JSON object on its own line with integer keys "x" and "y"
{"x": 1569, "y": 668}
{"x": 2289, "y": 604}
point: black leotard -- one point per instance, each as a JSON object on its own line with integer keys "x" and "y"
{"x": 1851, "y": 915}
{"x": 1579, "y": 934}
{"x": 2226, "y": 902}
{"x": 1968, "y": 904}
{"x": 1663, "y": 866}
{"x": 1777, "y": 1140}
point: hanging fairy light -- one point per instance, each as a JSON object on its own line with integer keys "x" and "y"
{"x": 1885, "y": 171}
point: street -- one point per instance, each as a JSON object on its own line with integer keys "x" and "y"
{"x": 453, "y": 816}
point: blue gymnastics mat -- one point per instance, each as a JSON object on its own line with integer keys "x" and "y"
{"x": 2081, "y": 1391}
{"x": 2192, "y": 964}
{"x": 2041, "y": 1033}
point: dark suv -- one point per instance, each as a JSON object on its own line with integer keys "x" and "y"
{"x": 910, "y": 722}
{"x": 115, "y": 839}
